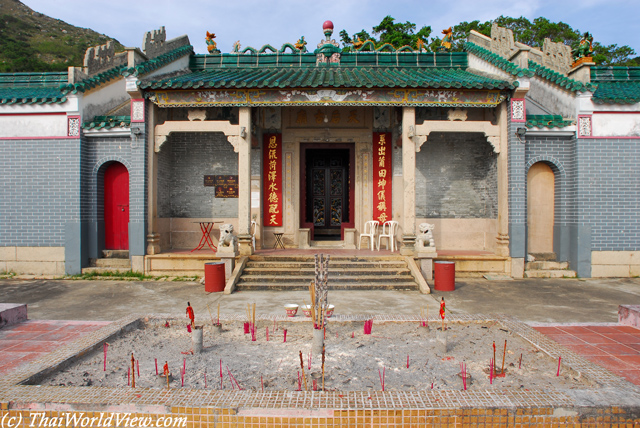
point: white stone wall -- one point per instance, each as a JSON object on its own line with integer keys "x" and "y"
{"x": 615, "y": 264}
{"x": 32, "y": 260}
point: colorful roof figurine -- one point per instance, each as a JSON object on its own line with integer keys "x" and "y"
{"x": 616, "y": 85}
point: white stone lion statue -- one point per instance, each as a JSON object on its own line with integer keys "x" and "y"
{"x": 425, "y": 237}
{"x": 226, "y": 235}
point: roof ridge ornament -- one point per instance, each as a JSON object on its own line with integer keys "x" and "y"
{"x": 328, "y": 51}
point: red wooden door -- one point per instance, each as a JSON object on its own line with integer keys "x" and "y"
{"x": 116, "y": 207}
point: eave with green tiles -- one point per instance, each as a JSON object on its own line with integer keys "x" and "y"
{"x": 32, "y": 88}
{"x": 547, "y": 121}
{"x": 376, "y": 72}
{"x": 616, "y": 85}
{"x": 107, "y": 122}
{"x": 155, "y": 63}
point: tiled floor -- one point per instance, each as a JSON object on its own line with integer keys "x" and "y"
{"x": 31, "y": 339}
{"x": 615, "y": 347}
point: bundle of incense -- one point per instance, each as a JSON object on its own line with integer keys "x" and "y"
{"x": 491, "y": 367}
{"x": 323, "y": 367}
{"x": 559, "y": 360}
{"x": 133, "y": 371}
{"x": 246, "y": 327}
{"x": 233, "y": 379}
{"x": 104, "y": 348}
{"x": 368, "y": 325}
{"x": 253, "y": 332}
{"x": 520, "y": 363}
{"x": 381, "y": 376}
{"x": 304, "y": 377}
{"x": 463, "y": 373}
{"x": 211, "y": 316}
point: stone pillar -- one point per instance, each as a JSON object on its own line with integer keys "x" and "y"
{"x": 502, "y": 142}
{"x": 153, "y": 237}
{"x": 228, "y": 256}
{"x": 409, "y": 182}
{"x": 244, "y": 183}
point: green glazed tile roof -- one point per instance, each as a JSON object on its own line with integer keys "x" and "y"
{"x": 32, "y": 88}
{"x": 547, "y": 121}
{"x": 497, "y": 60}
{"x": 560, "y": 79}
{"x": 155, "y": 63}
{"x": 616, "y": 85}
{"x": 329, "y": 77}
{"x": 107, "y": 122}
{"x": 94, "y": 81}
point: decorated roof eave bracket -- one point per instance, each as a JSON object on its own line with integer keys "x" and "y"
{"x": 322, "y": 97}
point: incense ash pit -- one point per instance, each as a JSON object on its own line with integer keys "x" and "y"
{"x": 402, "y": 355}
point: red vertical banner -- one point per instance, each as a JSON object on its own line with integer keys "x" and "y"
{"x": 272, "y": 167}
{"x": 382, "y": 173}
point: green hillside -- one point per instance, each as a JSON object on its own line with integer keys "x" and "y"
{"x": 31, "y": 41}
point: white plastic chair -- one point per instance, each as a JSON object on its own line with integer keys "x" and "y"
{"x": 254, "y": 226}
{"x": 389, "y": 229}
{"x": 370, "y": 230}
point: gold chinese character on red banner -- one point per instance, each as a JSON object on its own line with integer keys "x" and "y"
{"x": 381, "y": 169}
{"x": 272, "y": 162}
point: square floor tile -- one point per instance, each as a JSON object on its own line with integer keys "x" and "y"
{"x": 595, "y": 338}
{"x": 586, "y": 350}
{"x": 566, "y": 339}
{"x": 610, "y": 363}
{"x": 633, "y": 360}
{"x": 616, "y": 349}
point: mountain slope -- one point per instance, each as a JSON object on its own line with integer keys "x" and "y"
{"x": 31, "y": 41}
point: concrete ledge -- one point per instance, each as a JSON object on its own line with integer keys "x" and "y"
{"x": 12, "y": 313}
{"x": 629, "y": 315}
{"x": 33, "y": 260}
{"x": 235, "y": 276}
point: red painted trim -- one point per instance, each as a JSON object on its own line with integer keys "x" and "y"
{"x": 617, "y": 137}
{"x": 41, "y": 138}
{"x": 61, "y": 113}
{"x": 524, "y": 110}
{"x": 137, "y": 100}
{"x": 616, "y": 112}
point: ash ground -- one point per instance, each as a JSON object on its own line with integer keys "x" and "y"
{"x": 352, "y": 363}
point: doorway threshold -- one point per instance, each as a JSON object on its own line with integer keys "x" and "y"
{"x": 327, "y": 244}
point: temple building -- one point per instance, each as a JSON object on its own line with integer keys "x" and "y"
{"x": 503, "y": 154}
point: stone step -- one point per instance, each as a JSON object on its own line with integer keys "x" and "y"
{"x": 332, "y": 272}
{"x": 333, "y": 259}
{"x": 111, "y": 263}
{"x": 115, "y": 254}
{"x": 104, "y": 269}
{"x": 546, "y": 265}
{"x": 342, "y": 278}
{"x": 406, "y": 285}
{"x": 545, "y": 257}
{"x": 285, "y": 267}
{"x": 561, "y": 273}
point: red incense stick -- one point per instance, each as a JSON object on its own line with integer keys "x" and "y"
{"x": 104, "y": 348}
{"x": 233, "y": 378}
{"x": 128, "y": 376}
{"x": 407, "y": 360}
{"x": 285, "y": 334}
{"x": 221, "y": 384}
{"x": 262, "y": 383}
{"x": 267, "y": 334}
{"x": 520, "y": 363}
{"x": 156, "y": 360}
{"x": 138, "y": 367}
{"x": 559, "y": 360}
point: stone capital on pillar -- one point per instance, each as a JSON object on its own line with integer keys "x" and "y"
{"x": 245, "y": 244}
{"x": 153, "y": 243}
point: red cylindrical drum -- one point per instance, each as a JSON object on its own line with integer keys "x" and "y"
{"x": 444, "y": 276}
{"x": 214, "y": 277}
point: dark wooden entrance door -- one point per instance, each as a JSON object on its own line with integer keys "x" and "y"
{"x": 116, "y": 207}
{"x": 327, "y": 192}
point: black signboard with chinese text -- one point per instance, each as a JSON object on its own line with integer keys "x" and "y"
{"x": 226, "y": 186}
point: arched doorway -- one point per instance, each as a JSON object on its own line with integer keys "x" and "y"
{"x": 540, "y": 208}
{"x": 116, "y": 207}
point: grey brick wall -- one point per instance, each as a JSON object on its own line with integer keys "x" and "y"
{"x": 39, "y": 191}
{"x": 517, "y": 189}
{"x": 184, "y": 160}
{"x": 608, "y": 183}
{"x": 456, "y": 177}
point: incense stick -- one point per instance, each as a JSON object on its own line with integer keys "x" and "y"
{"x": 303, "y": 375}
{"x": 323, "y": 367}
{"x": 504, "y": 354}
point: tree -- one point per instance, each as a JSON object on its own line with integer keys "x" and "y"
{"x": 531, "y": 33}
{"x": 395, "y": 34}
